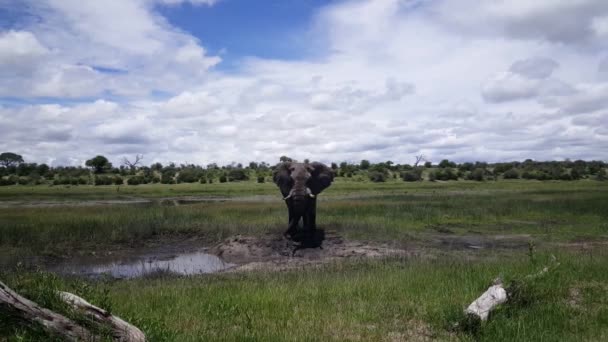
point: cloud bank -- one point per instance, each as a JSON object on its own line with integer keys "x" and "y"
{"x": 391, "y": 79}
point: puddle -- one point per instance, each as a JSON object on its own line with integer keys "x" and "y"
{"x": 183, "y": 264}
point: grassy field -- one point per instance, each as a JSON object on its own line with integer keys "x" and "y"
{"x": 561, "y": 211}
{"x": 410, "y": 299}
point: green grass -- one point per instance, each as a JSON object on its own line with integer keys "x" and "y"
{"x": 365, "y": 301}
{"x": 396, "y": 299}
{"x": 553, "y": 211}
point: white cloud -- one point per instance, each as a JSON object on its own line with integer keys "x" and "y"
{"x": 391, "y": 79}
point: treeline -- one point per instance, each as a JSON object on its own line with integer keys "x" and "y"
{"x": 99, "y": 171}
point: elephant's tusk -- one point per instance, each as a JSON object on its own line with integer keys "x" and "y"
{"x": 311, "y": 195}
{"x": 286, "y": 198}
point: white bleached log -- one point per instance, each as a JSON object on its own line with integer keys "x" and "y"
{"x": 482, "y": 306}
{"x": 59, "y": 325}
{"x": 121, "y": 330}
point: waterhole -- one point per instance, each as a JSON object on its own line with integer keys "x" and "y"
{"x": 181, "y": 264}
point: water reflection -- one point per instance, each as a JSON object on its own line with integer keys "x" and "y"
{"x": 184, "y": 264}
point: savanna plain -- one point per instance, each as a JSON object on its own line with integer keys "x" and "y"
{"x": 456, "y": 237}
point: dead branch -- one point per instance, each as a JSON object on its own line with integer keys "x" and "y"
{"x": 133, "y": 164}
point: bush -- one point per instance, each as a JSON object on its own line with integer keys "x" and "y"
{"x": 432, "y": 176}
{"x": 6, "y": 182}
{"x": 223, "y": 179}
{"x": 476, "y": 175}
{"x": 601, "y": 175}
{"x": 376, "y": 176}
{"x": 237, "y": 175}
{"x": 261, "y": 179}
{"x": 136, "y": 180}
{"x": 203, "y": 180}
{"x": 118, "y": 180}
{"x": 23, "y": 180}
{"x": 103, "y": 180}
{"x": 445, "y": 174}
{"x": 189, "y": 175}
{"x": 510, "y": 174}
{"x": 412, "y": 176}
{"x": 167, "y": 178}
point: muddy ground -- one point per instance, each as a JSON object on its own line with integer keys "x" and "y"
{"x": 273, "y": 252}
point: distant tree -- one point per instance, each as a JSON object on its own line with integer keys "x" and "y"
{"x": 446, "y": 163}
{"x": 132, "y": 164}
{"x": 253, "y": 165}
{"x": 43, "y": 169}
{"x": 364, "y": 165}
{"x": 511, "y": 174}
{"x": 334, "y": 166}
{"x": 223, "y": 179}
{"x": 419, "y": 158}
{"x": 98, "y": 164}
{"x": 428, "y": 164}
{"x": 8, "y": 159}
{"x": 261, "y": 179}
{"x": 156, "y": 166}
{"x": 285, "y": 159}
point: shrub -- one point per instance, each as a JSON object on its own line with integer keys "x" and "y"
{"x": 155, "y": 179}
{"x": 223, "y": 179}
{"x": 118, "y": 180}
{"x": 261, "y": 179}
{"x": 601, "y": 175}
{"x": 445, "y": 174}
{"x": 476, "y": 175}
{"x": 103, "y": 180}
{"x": 511, "y": 174}
{"x": 188, "y": 175}
{"x": 23, "y": 180}
{"x": 376, "y": 176}
{"x": 5, "y": 182}
{"x": 136, "y": 180}
{"x": 412, "y": 176}
{"x": 203, "y": 180}
{"x": 432, "y": 176}
{"x": 237, "y": 175}
{"x": 167, "y": 178}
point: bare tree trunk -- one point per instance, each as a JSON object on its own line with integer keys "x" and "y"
{"x": 60, "y": 325}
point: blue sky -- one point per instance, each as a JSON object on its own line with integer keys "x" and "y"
{"x": 234, "y": 80}
{"x": 275, "y": 29}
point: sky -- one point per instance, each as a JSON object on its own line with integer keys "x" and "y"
{"x": 203, "y": 81}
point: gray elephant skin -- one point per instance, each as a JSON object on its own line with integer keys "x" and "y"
{"x": 300, "y": 183}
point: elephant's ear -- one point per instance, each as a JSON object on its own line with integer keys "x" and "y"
{"x": 321, "y": 177}
{"x": 281, "y": 177}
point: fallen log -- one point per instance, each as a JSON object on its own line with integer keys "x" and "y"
{"x": 59, "y": 325}
{"x": 498, "y": 294}
{"x": 488, "y": 301}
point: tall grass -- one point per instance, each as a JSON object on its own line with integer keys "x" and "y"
{"x": 395, "y": 299}
{"x": 559, "y": 211}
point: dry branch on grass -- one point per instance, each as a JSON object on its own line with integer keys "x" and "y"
{"x": 62, "y": 326}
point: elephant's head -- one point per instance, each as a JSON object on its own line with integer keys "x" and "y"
{"x": 300, "y": 182}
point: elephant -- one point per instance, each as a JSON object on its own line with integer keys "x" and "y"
{"x": 300, "y": 183}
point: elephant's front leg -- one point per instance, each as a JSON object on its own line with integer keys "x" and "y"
{"x": 310, "y": 219}
{"x": 292, "y": 226}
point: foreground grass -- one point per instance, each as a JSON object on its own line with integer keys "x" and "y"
{"x": 551, "y": 211}
{"x": 391, "y": 300}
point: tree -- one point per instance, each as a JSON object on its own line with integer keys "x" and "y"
{"x": 364, "y": 164}
{"x": 98, "y": 164}
{"x": 133, "y": 164}
{"x": 419, "y": 158}
{"x": 8, "y": 159}
{"x": 284, "y": 159}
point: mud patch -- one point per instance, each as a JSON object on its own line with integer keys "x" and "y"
{"x": 272, "y": 252}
